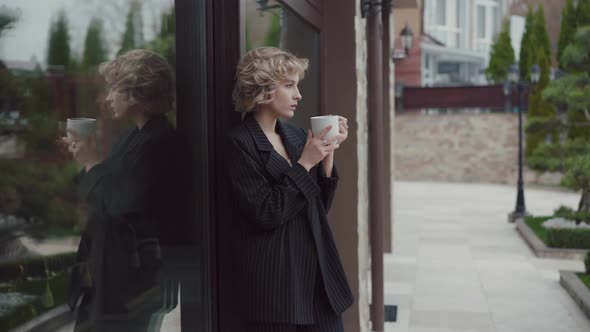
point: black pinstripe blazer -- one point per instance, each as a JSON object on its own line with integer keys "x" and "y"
{"x": 285, "y": 244}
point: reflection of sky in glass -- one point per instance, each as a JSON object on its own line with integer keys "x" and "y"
{"x": 29, "y": 37}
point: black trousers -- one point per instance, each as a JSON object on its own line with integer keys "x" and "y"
{"x": 326, "y": 320}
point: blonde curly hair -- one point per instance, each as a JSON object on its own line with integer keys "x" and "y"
{"x": 260, "y": 72}
{"x": 145, "y": 77}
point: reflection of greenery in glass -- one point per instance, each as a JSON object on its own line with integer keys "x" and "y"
{"x": 248, "y": 42}
{"x": 130, "y": 40}
{"x": 58, "y": 49}
{"x": 43, "y": 192}
{"x": 30, "y": 287}
{"x": 8, "y": 18}
{"x": 165, "y": 43}
{"x": 95, "y": 49}
{"x": 273, "y": 37}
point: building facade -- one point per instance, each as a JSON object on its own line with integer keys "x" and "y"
{"x": 453, "y": 41}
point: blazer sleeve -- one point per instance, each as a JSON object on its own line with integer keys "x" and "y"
{"x": 268, "y": 205}
{"x": 328, "y": 186}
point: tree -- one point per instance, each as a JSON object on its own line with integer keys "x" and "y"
{"x": 502, "y": 55}
{"x": 540, "y": 54}
{"x": 133, "y": 36}
{"x": 58, "y": 49}
{"x": 568, "y": 28}
{"x": 95, "y": 50}
{"x": 526, "y": 45}
{"x": 540, "y": 109}
{"x": 8, "y": 17}
{"x": 583, "y": 13}
{"x": 541, "y": 39}
{"x": 570, "y": 94}
{"x": 165, "y": 43}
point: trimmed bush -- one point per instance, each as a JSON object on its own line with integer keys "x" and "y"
{"x": 587, "y": 263}
{"x": 568, "y": 238}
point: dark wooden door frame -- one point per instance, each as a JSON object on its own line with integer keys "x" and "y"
{"x": 192, "y": 122}
{"x": 309, "y": 10}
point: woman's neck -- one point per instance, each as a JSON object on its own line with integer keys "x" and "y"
{"x": 267, "y": 121}
{"x": 140, "y": 119}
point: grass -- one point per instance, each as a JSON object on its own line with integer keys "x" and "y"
{"x": 536, "y": 224}
{"x": 585, "y": 279}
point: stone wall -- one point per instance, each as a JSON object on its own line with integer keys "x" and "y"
{"x": 460, "y": 148}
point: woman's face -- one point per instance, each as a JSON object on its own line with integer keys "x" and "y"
{"x": 118, "y": 102}
{"x": 286, "y": 97}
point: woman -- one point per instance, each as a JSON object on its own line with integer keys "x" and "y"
{"x": 136, "y": 198}
{"x": 283, "y": 181}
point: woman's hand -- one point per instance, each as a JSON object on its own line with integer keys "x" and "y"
{"x": 84, "y": 150}
{"x": 317, "y": 148}
{"x": 342, "y": 129}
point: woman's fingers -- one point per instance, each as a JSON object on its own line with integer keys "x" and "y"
{"x": 323, "y": 133}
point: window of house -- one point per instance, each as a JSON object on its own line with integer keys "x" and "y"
{"x": 441, "y": 14}
{"x": 481, "y": 21}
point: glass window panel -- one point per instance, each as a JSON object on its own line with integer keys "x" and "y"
{"x": 270, "y": 24}
{"x": 48, "y": 72}
{"x": 481, "y": 22}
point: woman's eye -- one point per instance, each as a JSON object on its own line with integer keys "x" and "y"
{"x": 289, "y": 85}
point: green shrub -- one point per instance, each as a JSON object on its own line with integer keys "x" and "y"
{"x": 587, "y": 263}
{"x": 35, "y": 267}
{"x": 570, "y": 214}
{"x": 32, "y": 190}
{"x": 49, "y": 293}
{"x": 568, "y": 238}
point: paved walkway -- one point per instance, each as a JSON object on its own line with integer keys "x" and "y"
{"x": 458, "y": 265}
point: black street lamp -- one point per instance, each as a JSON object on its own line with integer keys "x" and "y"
{"x": 406, "y": 37}
{"x": 520, "y": 210}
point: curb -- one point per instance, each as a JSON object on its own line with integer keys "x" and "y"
{"x": 541, "y": 250}
{"x": 50, "y": 320}
{"x": 576, "y": 289}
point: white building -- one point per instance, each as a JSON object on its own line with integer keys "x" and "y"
{"x": 458, "y": 35}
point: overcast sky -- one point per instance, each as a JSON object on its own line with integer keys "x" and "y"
{"x": 29, "y": 37}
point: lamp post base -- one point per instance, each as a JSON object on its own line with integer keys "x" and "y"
{"x": 514, "y": 216}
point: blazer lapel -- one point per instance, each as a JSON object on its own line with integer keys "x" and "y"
{"x": 145, "y": 133}
{"x": 274, "y": 163}
{"x": 291, "y": 140}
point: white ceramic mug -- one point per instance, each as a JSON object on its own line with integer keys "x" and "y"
{"x": 83, "y": 127}
{"x": 318, "y": 123}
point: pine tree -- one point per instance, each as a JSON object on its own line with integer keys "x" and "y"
{"x": 541, "y": 36}
{"x": 8, "y": 18}
{"x": 130, "y": 38}
{"x": 58, "y": 50}
{"x": 526, "y": 44}
{"x": 568, "y": 28}
{"x": 502, "y": 55}
{"x": 539, "y": 53}
{"x": 95, "y": 50}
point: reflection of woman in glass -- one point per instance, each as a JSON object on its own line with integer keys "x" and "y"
{"x": 283, "y": 182}
{"x": 135, "y": 199}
